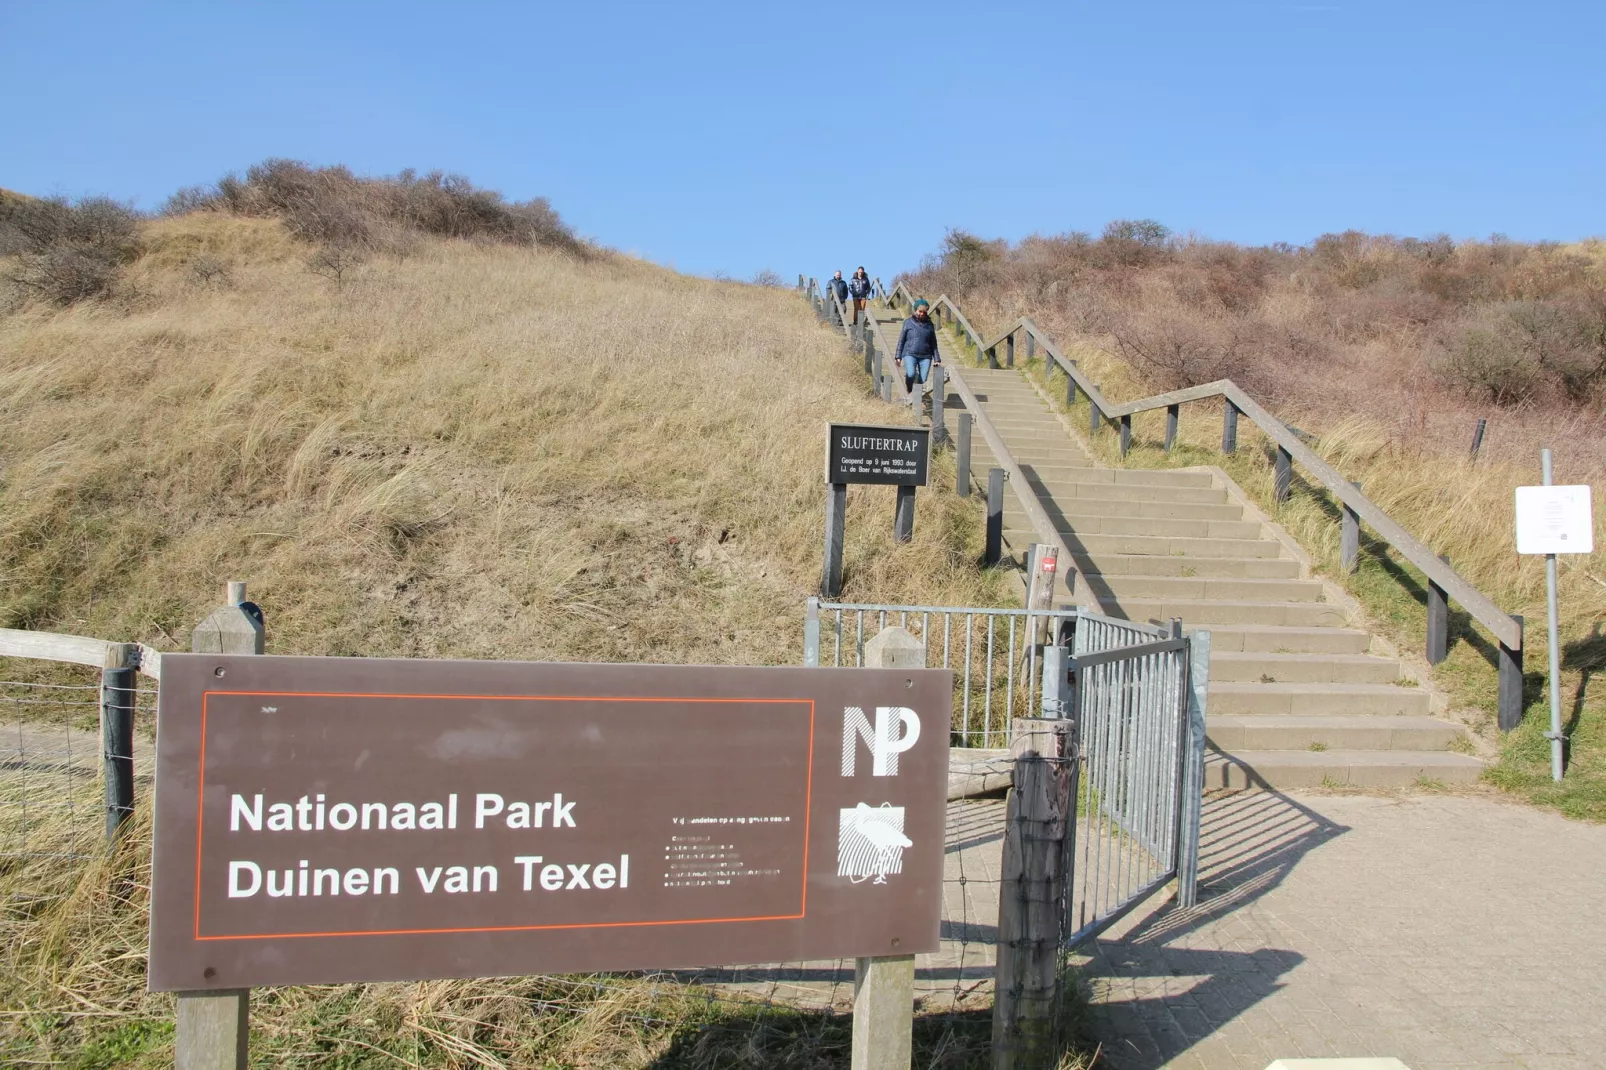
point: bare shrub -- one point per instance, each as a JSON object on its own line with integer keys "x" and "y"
{"x": 69, "y": 251}
{"x": 334, "y": 262}
{"x": 209, "y": 270}
{"x": 766, "y": 277}
{"x": 333, "y": 206}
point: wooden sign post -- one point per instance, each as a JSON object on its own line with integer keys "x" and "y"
{"x": 869, "y": 453}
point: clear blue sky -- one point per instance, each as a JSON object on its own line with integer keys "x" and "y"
{"x": 802, "y": 137}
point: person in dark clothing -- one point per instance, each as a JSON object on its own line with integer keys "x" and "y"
{"x": 859, "y": 288}
{"x": 917, "y": 347}
{"x": 839, "y": 287}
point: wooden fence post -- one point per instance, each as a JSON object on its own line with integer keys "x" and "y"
{"x": 1093, "y": 412}
{"x": 1229, "y": 428}
{"x": 118, "y": 683}
{"x": 884, "y": 988}
{"x": 1438, "y": 645}
{"x": 1070, "y": 387}
{"x": 213, "y": 1026}
{"x": 1349, "y": 537}
{"x": 1173, "y": 416}
{"x": 1031, "y": 347}
{"x": 1126, "y": 434}
{"x": 1510, "y": 691}
{"x": 869, "y": 352}
{"x": 1009, "y": 351}
{"x": 995, "y": 518}
{"x": 1283, "y": 475}
{"x": 939, "y": 428}
{"x": 903, "y": 515}
{"x": 964, "y": 454}
{"x": 836, "y": 508}
{"x": 1031, "y": 894}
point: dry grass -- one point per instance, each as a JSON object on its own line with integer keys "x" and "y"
{"x": 471, "y": 451}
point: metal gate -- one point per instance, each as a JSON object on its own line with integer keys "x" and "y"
{"x": 1136, "y": 695}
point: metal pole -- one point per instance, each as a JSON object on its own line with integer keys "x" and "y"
{"x": 811, "y": 634}
{"x": 1554, "y": 734}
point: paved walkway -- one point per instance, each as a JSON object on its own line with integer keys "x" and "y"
{"x": 1447, "y": 931}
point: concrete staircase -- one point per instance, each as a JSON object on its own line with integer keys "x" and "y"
{"x": 1298, "y": 698}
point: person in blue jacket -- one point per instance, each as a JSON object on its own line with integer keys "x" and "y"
{"x": 917, "y": 346}
{"x": 859, "y": 288}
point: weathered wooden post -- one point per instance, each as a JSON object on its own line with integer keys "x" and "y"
{"x": 876, "y": 370}
{"x": 869, "y": 352}
{"x": 884, "y": 988}
{"x": 903, "y": 516}
{"x": 118, "y": 684}
{"x": 1283, "y": 475}
{"x": 939, "y": 382}
{"x": 992, "y": 357}
{"x": 836, "y": 508}
{"x": 963, "y": 489}
{"x": 1438, "y": 645}
{"x": 1510, "y": 690}
{"x": 1477, "y": 436}
{"x": 1349, "y": 539}
{"x": 1173, "y": 416}
{"x": 1031, "y": 347}
{"x": 213, "y": 1026}
{"x": 1031, "y": 892}
{"x": 1009, "y": 351}
{"x": 1070, "y": 387}
{"x": 1126, "y": 434}
{"x": 994, "y": 551}
{"x": 1093, "y": 412}
{"x": 1229, "y": 428}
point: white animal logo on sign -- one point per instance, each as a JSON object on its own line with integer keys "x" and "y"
{"x": 870, "y": 843}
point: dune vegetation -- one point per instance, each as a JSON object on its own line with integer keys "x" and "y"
{"x": 439, "y": 426}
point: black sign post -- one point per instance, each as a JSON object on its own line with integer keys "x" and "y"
{"x": 870, "y": 453}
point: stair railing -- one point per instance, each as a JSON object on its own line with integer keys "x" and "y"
{"x": 1444, "y": 583}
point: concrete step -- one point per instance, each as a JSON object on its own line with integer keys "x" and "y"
{"x": 1144, "y": 525}
{"x": 1228, "y": 666}
{"x": 1204, "y": 613}
{"x": 1206, "y": 588}
{"x": 1168, "y": 546}
{"x": 1257, "y": 638}
{"x": 1079, "y": 507}
{"x": 1232, "y": 733}
{"x": 1317, "y": 699}
{"x": 1266, "y": 568}
{"x": 1283, "y": 769}
{"x": 1066, "y": 482}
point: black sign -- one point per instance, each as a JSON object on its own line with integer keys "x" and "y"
{"x": 867, "y": 453}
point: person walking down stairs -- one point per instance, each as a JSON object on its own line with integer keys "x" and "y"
{"x": 917, "y": 350}
{"x": 839, "y": 286}
{"x": 859, "y": 289}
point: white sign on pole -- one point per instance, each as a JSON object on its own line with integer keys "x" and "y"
{"x": 1555, "y": 520}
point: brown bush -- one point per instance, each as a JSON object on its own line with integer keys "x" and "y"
{"x": 332, "y": 206}
{"x": 67, "y": 251}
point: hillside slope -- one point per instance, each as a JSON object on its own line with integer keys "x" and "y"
{"x": 471, "y": 450}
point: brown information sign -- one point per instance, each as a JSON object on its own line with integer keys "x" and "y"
{"x": 868, "y": 453}
{"x": 324, "y": 820}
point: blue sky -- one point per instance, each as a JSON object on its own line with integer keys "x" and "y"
{"x": 804, "y": 137}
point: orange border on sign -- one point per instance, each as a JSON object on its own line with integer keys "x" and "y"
{"x": 200, "y": 815}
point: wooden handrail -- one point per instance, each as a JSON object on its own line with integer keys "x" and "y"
{"x": 73, "y": 649}
{"x": 1506, "y": 628}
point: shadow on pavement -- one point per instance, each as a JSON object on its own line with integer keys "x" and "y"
{"x": 1157, "y": 998}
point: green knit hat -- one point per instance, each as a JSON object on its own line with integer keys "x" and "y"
{"x": 922, "y": 303}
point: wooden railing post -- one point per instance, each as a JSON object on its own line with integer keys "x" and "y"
{"x": 963, "y": 489}
{"x": 1229, "y": 427}
{"x": 213, "y": 1026}
{"x": 1511, "y": 702}
{"x": 869, "y": 350}
{"x": 1093, "y": 412}
{"x": 877, "y": 372}
{"x": 1173, "y": 416}
{"x": 1349, "y": 540}
{"x": 994, "y": 551}
{"x": 1070, "y": 387}
{"x": 1009, "y": 351}
{"x": 884, "y": 988}
{"x": 1031, "y": 889}
{"x": 1283, "y": 475}
{"x": 1126, "y": 434}
{"x": 1438, "y": 645}
{"x": 992, "y": 357}
{"x": 1031, "y": 346}
{"x": 118, "y": 684}
{"x": 939, "y": 429}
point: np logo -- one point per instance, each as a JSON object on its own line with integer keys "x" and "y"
{"x": 895, "y": 730}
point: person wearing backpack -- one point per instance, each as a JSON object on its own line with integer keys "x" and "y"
{"x": 859, "y": 288}
{"x": 917, "y": 348}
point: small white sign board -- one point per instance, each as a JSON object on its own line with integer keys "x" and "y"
{"x": 1555, "y": 520}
